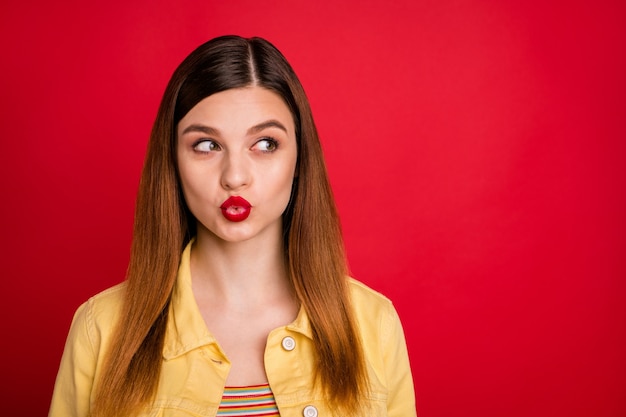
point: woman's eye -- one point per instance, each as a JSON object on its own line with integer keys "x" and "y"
{"x": 266, "y": 145}
{"x": 206, "y": 146}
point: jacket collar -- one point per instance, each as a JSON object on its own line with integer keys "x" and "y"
{"x": 186, "y": 329}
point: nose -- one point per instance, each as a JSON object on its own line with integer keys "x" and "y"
{"x": 235, "y": 172}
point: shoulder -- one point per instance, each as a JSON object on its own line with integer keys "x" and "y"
{"x": 366, "y": 297}
{"x": 384, "y": 348}
{"x": 97, "y": 316}
{"x": 88, "y": 338}
{"x": 373, "y": 311}
{"x": 106, "y": 304}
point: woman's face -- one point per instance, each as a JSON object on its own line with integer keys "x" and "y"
{"x": 237, "y": 156}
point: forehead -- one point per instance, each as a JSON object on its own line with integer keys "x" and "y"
{"x": 239, "y": 108}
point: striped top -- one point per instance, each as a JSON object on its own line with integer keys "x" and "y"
{"x": 252, "y": 401}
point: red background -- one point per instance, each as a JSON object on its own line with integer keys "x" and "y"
{"x": 476, "y": 150}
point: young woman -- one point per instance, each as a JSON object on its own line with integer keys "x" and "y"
{"x": 237, "y": 299}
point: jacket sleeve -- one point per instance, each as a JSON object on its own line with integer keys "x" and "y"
{"x": 74, "y": 382}
{"x": 401, "y": 394}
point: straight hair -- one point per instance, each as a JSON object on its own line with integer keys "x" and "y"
{"x": 314, "y": 251}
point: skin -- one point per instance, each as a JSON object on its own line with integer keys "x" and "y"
{"x": 239, "y": 142}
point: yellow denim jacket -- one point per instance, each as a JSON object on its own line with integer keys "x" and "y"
{"x": 194, "y": 366}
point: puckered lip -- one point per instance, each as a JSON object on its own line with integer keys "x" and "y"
{"x": 236, "y": 209}
{"x": 235, "y": 201}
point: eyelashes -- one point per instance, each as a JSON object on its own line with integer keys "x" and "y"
{"x": 206, "y": 146}
{"x": 266, "y": 145}
{"x": 263, "y": 145}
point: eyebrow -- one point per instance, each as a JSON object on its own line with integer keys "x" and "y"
{"x": 208, "y": 130}
{"x": 266, "y": 125}
{"x": 202, "y": 129}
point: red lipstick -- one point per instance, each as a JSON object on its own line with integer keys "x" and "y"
{"x": 236, "y": 209}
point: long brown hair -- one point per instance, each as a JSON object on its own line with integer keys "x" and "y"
{"x": 314, "y": 252}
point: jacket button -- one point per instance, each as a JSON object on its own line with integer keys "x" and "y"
{"x": 309, "y": 411}
{"x": 290, "y": 344}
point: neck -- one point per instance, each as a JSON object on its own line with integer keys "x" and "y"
{"x": 248, "y": 273}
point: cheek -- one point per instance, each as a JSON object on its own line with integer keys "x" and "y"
{"x": 285, "y": 184}
{"x": 184, "y": 181}
{"x": 193, "y": 185}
